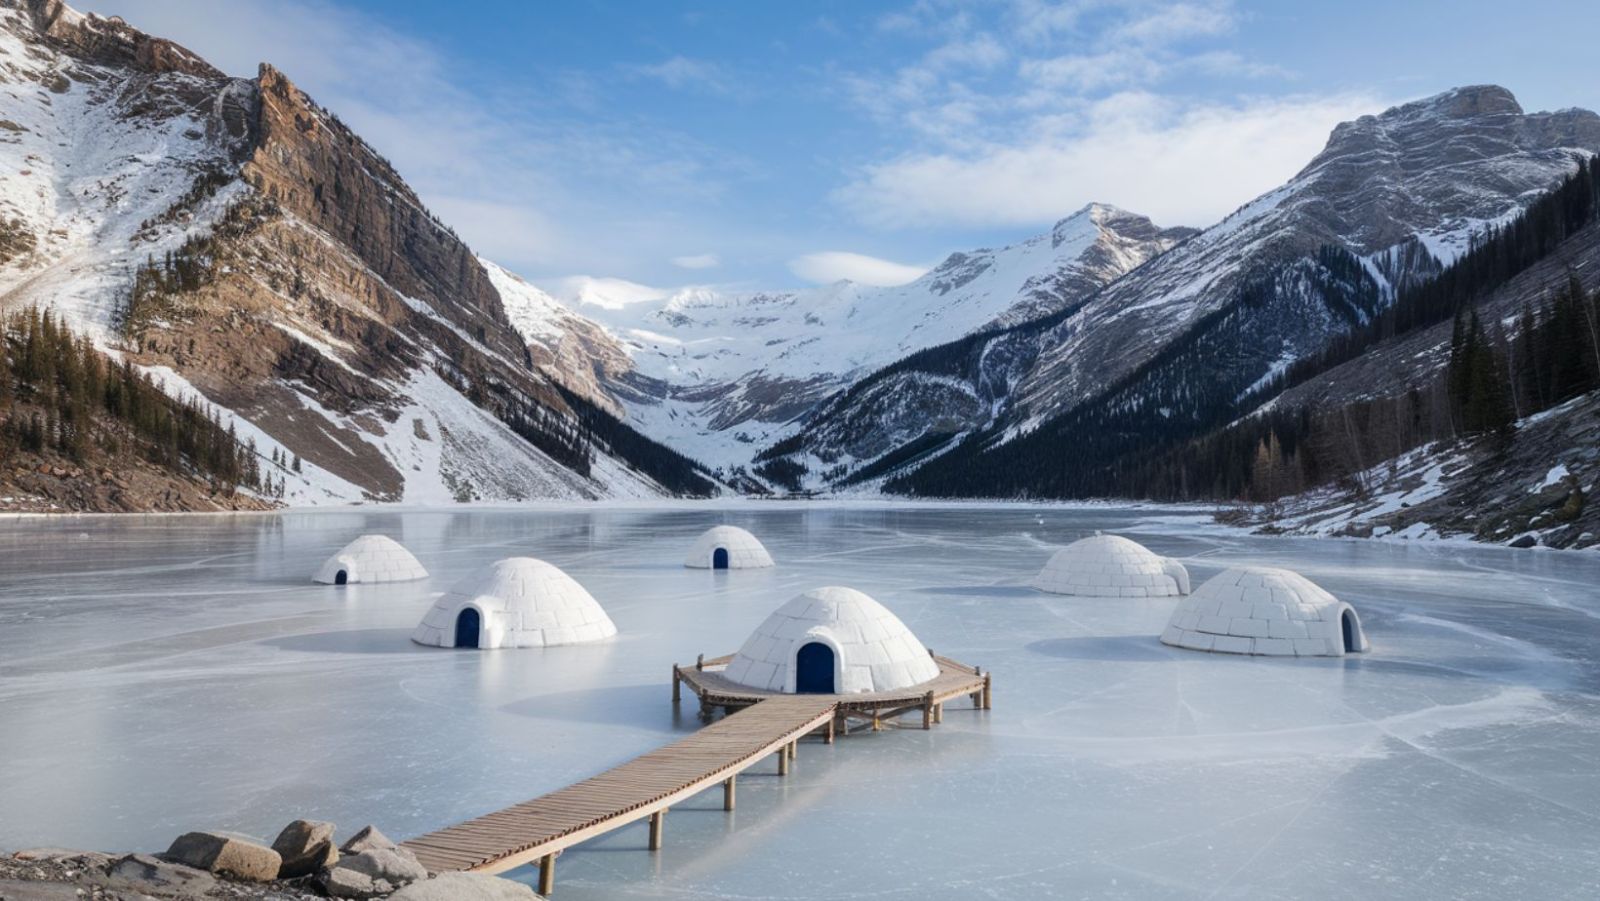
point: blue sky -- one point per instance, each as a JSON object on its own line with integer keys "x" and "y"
{"x": 774, "y": 144}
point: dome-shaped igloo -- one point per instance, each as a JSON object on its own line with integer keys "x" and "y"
{"x": 832, "y": 641}
{"x": 519, "y": 602}
{"x": 1110, "y": 566}
{"x": 370, "y": 558}
{"x": 1258, "y": 610}
{"x": 727, "y": 547}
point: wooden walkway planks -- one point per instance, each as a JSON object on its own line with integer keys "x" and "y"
{"x": 527, "y": 832}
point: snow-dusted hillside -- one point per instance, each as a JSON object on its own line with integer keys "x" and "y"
{"x": 1431, "y": 172}
{"x": 1175, "y": 346}
{"x": 290, "y": 277}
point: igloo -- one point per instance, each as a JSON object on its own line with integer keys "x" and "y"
{"x": 1258, "y": 610}
{"x": 832, "y": 641}
{"x": 1110, "y": 566}
{"x": 519, "y": 602}
{"x": 370, "y": 558}
{"x": 727, "y": 547}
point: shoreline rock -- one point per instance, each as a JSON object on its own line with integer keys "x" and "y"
{"x": 225, "y": 855}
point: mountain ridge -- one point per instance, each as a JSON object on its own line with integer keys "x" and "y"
{"x": 238, "y": 241}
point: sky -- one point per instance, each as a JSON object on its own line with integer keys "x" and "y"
{"x": 772, "y": 145}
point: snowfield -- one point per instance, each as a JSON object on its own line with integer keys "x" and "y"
{"x": 188, "y": 675}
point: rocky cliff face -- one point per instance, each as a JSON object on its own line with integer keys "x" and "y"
{"x": 1432, "y": 171}
{"x": 237, "y": 239}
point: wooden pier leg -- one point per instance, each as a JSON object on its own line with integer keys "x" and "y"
{"x": 794, "y": 749}
{"x": 988, "y": 691}
{"x": 727, "y": 792}
{"x": 658, "y": 822}
{"x": 927, "y": 711}
{"x": 827, "y": 737}
{"x": 677, "y": 685}
{"x": 783, "y": 761}
{"x": 938, "y": 713}
{"x": 547, "y": 875}
{"x": 877, "y": 724}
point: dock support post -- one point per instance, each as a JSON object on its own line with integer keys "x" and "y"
{"x": 927, "y": 711}
{"x": 783, "y": 761}
{"x": 677, "y": 685}
{"x": 658, "y": 822}
{"x": 547, "y": 875}
{"x": 938, "y": 713}
{"x": 794, "y": 749}
{"x": 988, "y": 691}
{"x": 727, "y": 792}
{"x": 827, "y": 737}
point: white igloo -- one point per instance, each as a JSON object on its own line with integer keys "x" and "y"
{"x": 370, "y": 558}
{"x": 727, "y": 547}
{"x": 1259, "y": 610}
{"x": 1110, "y": 566}
{"x": 832, "y": 641}
{"x": 519, "y": 602}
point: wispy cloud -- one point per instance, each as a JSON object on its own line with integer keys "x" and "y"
{"x": 1179, "y": 163}
{"x": 1094, "y": 102}
{"x": 697, "y": 261}
{"x": 828, "y": 266}
{"x": 683, "y": 73}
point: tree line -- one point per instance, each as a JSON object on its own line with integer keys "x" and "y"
{"x": 1173, "y": 429}
{"x": 61, "y": 397}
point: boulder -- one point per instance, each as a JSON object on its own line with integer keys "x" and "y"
{"x": 377, "y": 871}
{"x": 340, "y": 882}
{"x": 367, "y": 839}
{"x": 465, "y": 887}
{"x": 1525, "y": 541}
{"x": 225, "y": 855}
{"x": 306, "y": 847}
{"x": 151, "y": 876}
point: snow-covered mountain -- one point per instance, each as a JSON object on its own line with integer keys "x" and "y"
{"x": 719, "y": 373}
{"x": 1190, "y": 335}
{"x": 1428, "y": 173}
{"x": 239, "y": 241}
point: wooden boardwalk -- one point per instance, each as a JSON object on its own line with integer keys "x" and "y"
{"x": 760, "y": 723}
{"x": 536, "y": 830}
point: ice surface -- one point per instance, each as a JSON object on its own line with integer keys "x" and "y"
{"x": 163, "y": 674}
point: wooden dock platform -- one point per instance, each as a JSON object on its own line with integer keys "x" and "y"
{"x": 955, "y": 680}
{"x": 760, "y": 724}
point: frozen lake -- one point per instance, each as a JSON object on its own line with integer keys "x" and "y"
{"x": 165, "y": 674}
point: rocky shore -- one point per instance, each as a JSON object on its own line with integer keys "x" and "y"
{"x": 303, "y": 864}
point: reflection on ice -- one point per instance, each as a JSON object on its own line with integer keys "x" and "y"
{"x": 164, "y": 674}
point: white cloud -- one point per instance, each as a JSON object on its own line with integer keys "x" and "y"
{"x": 1176, "y": 162}
{"x": 1170, "y": 23}
{"x": 681, "y": 72}
{"x": 828, "y": 266}
{"x": 697, "y": 261}
{"x": 605, "y": 293}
